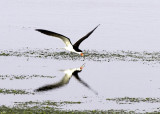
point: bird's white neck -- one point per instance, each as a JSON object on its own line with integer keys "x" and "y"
{"x": 72, "y": 50}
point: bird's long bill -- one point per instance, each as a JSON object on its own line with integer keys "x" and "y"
{"x": 82, "y": 66}
{"x": 82, "y": 54}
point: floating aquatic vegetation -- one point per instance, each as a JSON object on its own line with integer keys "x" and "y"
{"x": 55, "y": 107}
{"x": 51, "y": 107}
{"x": 43, "y": 106}
{"x": 22, "y": 77}
{"x": 90, "y": 55}
{"x": 128, "y": 100}
{"x": 45, "y": 103}
{"x": 14, "y": 91}
{"x": 48, "y": 110}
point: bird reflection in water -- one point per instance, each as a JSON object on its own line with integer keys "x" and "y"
{"x": 65, "y": 80}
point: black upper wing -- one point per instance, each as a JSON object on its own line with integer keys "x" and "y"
{"x": 65, "y": 39}
{"x": 83, "y": 38}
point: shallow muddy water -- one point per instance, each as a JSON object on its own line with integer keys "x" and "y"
{"x": 116, "y": 84}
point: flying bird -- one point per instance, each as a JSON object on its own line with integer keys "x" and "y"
{"x": 69, "y": 46}
{"x": 65, "y": 80}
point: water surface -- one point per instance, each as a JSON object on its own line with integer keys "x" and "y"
{"x": 112, "y": 80}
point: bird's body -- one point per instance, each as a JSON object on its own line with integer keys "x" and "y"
{"x": 69, "y": 46}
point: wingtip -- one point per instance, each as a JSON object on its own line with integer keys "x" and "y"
{"x": 98, "y": 25}
{"x": 36, "y": 90}
{"x": 41, "y": 31}
{"x": 37, "y": 30}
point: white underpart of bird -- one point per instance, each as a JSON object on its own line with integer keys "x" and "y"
{"x": 72, "y": 48}
{"x": 69, "y": 72}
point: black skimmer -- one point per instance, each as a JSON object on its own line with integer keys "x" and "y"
{"x": 73, "y": 48}
{"x": 65, "y": 80}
